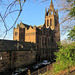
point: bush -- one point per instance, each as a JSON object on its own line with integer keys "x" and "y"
{"x": 65, "y": 58}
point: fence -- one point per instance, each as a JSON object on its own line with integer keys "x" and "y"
{"x": 40, "y": 71}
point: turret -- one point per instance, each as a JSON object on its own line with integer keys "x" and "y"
{"x": 45, "y": 11}
{"x": 49, "y": 17}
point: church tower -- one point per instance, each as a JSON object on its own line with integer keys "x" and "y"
{"x": 52, "y": 21}
{"x": 50, "y": 16}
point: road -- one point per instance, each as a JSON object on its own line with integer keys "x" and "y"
{"x": 23, "y": 73}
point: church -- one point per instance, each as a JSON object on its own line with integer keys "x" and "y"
{"x": 44, "y": 36}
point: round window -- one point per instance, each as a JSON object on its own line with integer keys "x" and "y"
{"x": 16, "y": 33}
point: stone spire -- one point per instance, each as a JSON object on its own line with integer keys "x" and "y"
{"x": 51, "y": 1}
{"x": 51, "y": 5}
{"x": 45, "y": 12}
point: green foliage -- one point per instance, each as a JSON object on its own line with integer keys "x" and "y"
{"x": 72, "y": 12}
{"x": 69, "y": 0}
{"x": 65, "y": 58}
{"x": 72, "y": 34}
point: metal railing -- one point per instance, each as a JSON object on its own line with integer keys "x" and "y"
{"x": 40, "y": 71}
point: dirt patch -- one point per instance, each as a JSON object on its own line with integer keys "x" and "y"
{"x": 65, "y": 72}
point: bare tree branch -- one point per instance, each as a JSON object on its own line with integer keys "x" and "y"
{"x": 8, "y": 11}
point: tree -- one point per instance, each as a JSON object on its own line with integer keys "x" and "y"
{"x": 66, "y": 7}
{"x": 62, "y": 4}
{"x": 65, "y": 58}
{"x": 67, "y": 20}
{"x": 9, "y": 8}
{"x": 72, "y": 11}
{"x": 67, "y": 10}
{"x": 71, "y": 34}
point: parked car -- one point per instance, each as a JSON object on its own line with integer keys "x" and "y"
{"x": 20, "y": 71}
{"x": 36, "y": 66}
{"x": 39, "y": 64}
{"x": 45, "y": 62}
{"x": 15, "y": 73}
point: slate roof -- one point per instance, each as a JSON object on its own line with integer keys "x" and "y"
{"x": 27, "y": 26}
{"x": 16, "y": 45}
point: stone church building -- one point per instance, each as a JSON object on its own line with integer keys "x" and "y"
{"x": 44, "y": 36}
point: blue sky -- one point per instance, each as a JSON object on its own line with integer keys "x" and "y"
{"x": 33, "y": 13}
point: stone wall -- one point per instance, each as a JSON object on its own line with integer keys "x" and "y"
{"x": 15, "y": 59}
{"x": 4, "y": 61}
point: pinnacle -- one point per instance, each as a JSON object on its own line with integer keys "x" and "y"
{"x": 51, "y": 1}
{"x": 51, "y": 4}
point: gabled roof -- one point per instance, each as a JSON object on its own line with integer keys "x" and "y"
{"x": 22, "y": 25}
{"x": 27, "y": 26}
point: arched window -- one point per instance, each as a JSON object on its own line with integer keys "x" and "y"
{"x": 50, "y": 22}
{"x": 42, "y": 41}
{"x": 45, "y": 41}
{"x": 48, "y": 41}
{"x": 37, "y": 39}
{"x": 16, "y": 33}
{"x": 47, "y": 22}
